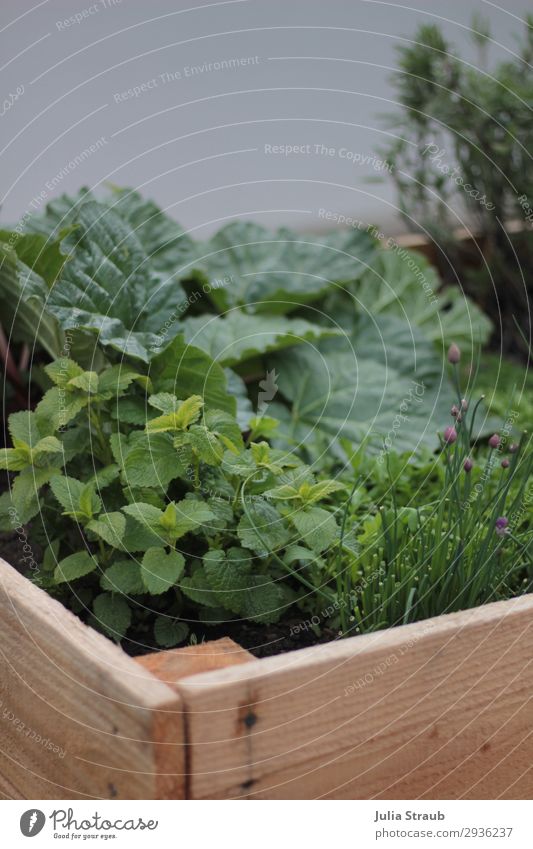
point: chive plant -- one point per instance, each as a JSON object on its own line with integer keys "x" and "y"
{"x": 469, "y": 547}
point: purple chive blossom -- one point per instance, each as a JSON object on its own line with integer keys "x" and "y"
{"x": 513, "y": 448}
{"x": 454, "y": 354}
{"x": 450, "y": 435}
{"x": 505, "y": 463}
{"x": 494, "y": 441}
{"x": 468, "y": 465}
{"x": 501, "y": 525}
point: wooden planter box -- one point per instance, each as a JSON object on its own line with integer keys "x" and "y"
{"x": 436, "y": 710}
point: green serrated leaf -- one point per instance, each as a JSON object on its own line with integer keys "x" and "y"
{"x": 205, "y": 445}
{"x": 130, "y": 410}
{"x": 164, "y": 401}
{"x": 140, "y": 537}
{"x": 104, "y": 477}
{"x": 406, "y": 284}
{"x": 152, "y": 461}
{"x": 242, "y": 465}
{"x": 254, "y": 597}
{"x": 168, "y": 518}
{"x": 160, "y": 570}
{"x": 169, "y": 632}
{"x": 14, "y": 459}
{"x": 115, "y": 380}
{"x": 87, "y": 381}
{"x": 113, "y": 614}
{"x": 58, "y": 407}
{"x": 46, "y": 446}
{"x": 264, "y": 426}
{"x": 186, "y": 413}
{"x": 317, "y": 528}
{"x": 321, "y": 490}
{"x": 145, "y": 514}
{"x": 110, "y": 527}
{"x": 25, "y": 493}
{"x": 62, "y": 371}
{"x": 23, "y": 293}
{"x": 224, "y": 425}
{"x": 123, "y": 577}
{"x": 89, "y": 503}
{"x": 191, "y": 514}
{"x": 23, "y": 426}
{"x": 262, "y": 529}
{"x": 73, "y": 567}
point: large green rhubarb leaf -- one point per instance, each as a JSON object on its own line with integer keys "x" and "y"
{"x": 162, "y": 238}
{"x": 167, "y": 245}
{"x": 108, "y": 287}
{"x": 382, "y": 382}
{"x": 274, "y": 272}
{"x": 236, "y": 337}
{"x": 23, "y": 293}
{"x": 404, "y": 284}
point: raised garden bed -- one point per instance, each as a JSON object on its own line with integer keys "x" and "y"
{"x": 439, "y": 709}
{"x": 436, "y": 709}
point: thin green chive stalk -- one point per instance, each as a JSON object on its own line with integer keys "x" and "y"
{"x": 344, "y": 587}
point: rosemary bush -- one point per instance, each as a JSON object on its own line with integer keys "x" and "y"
{"x": 464, "y": 147}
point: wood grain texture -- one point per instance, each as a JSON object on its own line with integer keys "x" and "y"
{"x": 172, "y": 665}
{"x": 435, "y": 710}
{"x": 78, "y": 717}
{"x": 468, "y": 237}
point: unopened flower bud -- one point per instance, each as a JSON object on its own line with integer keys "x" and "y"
{"x": 450, "y": 435}
{"x": 505, "y": 463}
{"x": 454, "y": 411}
{"x": 454, "y": 354}
{"x": 501, "y": 525}
{"x": 464, "y": 405}
{"x": 468, "y": 465}
{"x": 494, "y": 441}
{"x": 513, "y": 447}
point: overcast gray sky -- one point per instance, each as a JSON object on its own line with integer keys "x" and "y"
{"x": 198, "y": 104}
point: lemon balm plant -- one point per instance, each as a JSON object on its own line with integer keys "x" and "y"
{"x": 152, "y": 510}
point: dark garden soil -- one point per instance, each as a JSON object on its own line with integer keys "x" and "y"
{"x": 268, "y": 640}
{"x": 11, "y": 550}
{"x": 259, "y": 640}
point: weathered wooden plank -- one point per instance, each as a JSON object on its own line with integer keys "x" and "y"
{"x": 78, "y": 717}
{"x": 466, "y": 236}
{"x": 172, "y": 665}
{"x": 438, "y": 709}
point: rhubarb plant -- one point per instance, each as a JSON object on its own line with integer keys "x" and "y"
{"x": 118, "y": 278}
